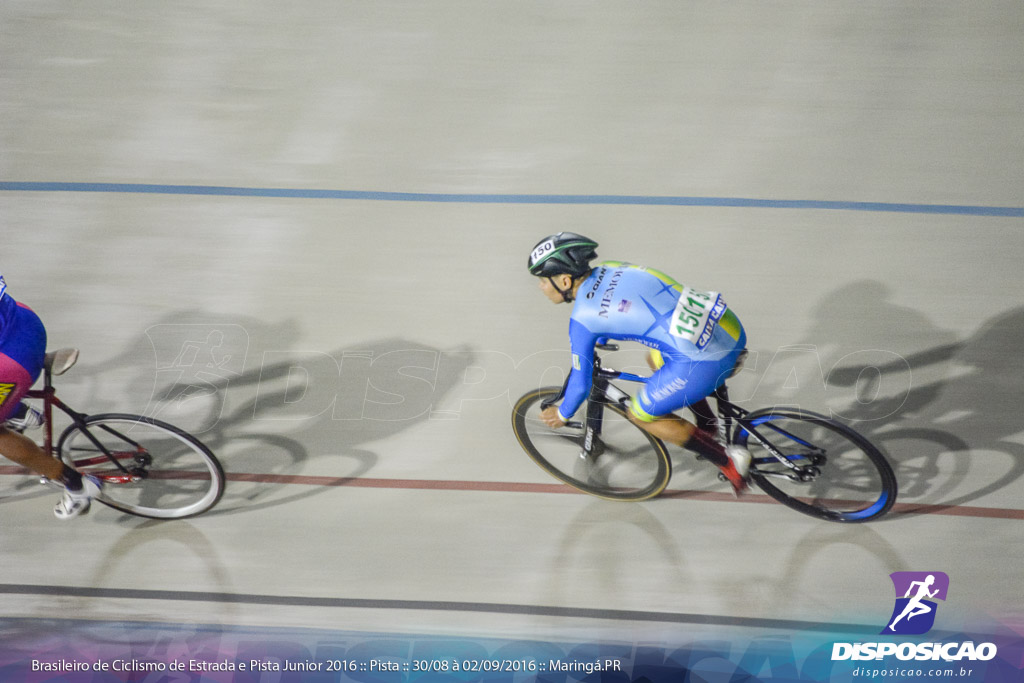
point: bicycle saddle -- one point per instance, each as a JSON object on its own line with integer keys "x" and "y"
{"x": 60, "y": 361}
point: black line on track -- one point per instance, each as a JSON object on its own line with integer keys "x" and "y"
{"x": 436, "y": 605}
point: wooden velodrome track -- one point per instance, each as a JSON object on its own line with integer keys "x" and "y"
{"x": 319, "y": 219}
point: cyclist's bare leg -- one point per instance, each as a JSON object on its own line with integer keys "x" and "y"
{"x": 670, "y": 428}
{"x": 25, "y": 452}
{"x": 683, "y": 433}
{"x": 22, "y": 450}
{"x": 676, "y": 430}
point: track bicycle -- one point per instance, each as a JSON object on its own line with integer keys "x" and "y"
{"x": 149, "y": 468}
{"x": 809, "y": 462}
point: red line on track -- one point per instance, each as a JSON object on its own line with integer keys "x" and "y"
{"x": 524, "y": 487}
{"x": 430, "y": 484}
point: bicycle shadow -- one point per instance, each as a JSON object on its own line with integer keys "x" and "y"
{"x": 605, "y": 538}
{"x": 819, "y": 547}
{"x": 18, "y": 483}
{"x": 930, "y": 410}
{"x": 145, "y": 539}
{"x": 271, "y": 411}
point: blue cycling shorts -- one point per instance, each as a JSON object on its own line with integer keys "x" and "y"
{"x": 680, "y": 383}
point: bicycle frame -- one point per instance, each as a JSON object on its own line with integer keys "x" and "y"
{"x": 730, "y": 415}
{"x": 48, "y": 395}
{"x": 125, "y": 452}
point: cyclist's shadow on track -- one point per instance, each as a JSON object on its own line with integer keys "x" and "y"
{"x": 954, "y": 398}
{"x": 268, "y": 411}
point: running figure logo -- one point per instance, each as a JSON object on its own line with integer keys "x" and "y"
{"x": 914, "y": 612}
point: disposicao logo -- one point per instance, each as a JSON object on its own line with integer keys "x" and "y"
{"x": 916, "y": 593}
{"x": 914, "y": 614}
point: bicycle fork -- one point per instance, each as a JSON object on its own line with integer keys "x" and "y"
{"x": 603, "y": 392}
{"x": 592, "y": 446}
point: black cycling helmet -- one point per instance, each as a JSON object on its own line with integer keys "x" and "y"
{"x": 564, "y": 252}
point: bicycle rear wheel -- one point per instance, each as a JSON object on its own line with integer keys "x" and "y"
{"x": 149, "y": 468}
{"x": 627, "y": 463}
{"x": 831, "y": 472}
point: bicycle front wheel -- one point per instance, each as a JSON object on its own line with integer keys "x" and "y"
{"x": 828, "y": 470}
{"x": 148, "y": 468}
{"x": 627, "y": 463}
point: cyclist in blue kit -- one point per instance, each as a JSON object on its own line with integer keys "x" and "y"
{"x": 22, "y": 351}
{"x": 696, "y": 342}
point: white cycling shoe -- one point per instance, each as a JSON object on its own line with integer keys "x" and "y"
{"x": 741, "y": 459}
{"x": 738, "y": 469}
{"x": 25, "y": 417}
{"x": 75, "y": 503}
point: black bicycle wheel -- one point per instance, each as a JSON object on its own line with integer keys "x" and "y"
{"x": 830, "y": 471}
{"x": 148, "y": 468}
{"x": 627, "y": 463}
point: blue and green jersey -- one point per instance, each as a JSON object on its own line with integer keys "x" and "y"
{"x": 627, "y": 302}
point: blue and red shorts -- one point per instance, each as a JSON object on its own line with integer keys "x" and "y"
{"x": 22, "y": 349}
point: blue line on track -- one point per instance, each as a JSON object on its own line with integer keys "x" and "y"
{"x": 464, "y": 198}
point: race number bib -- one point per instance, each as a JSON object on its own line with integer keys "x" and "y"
{"x": 696, "y": 316}
{"x": 541, "y": 251}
